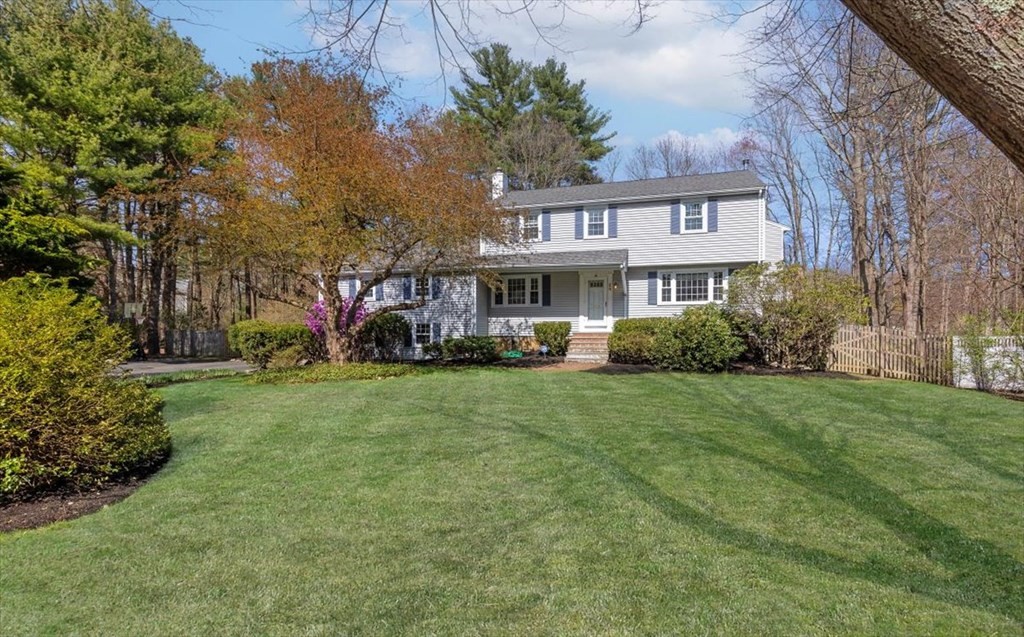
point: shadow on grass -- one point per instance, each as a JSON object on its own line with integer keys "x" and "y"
{"x": 620, "y": 369}
{"x": 981, "y": 577}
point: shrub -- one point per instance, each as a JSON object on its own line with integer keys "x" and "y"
{"x": 631, "y": 340}
{"x": 384, "y": 335}
{"x": 432, "y": 350}
{"x": 257, "y": 341}
{"x": 291, "y": 356}
{"x": 993, "y": 363}
{"x": 477, "y": 349}
{"x": 790, "y": 316}
{"x": 64, "y": 420}
{"x": 554, "y": 334}
{"x": 700, "y": 340}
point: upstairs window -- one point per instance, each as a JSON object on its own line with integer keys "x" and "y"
{"x": 596, "y": 226}
{"x": 422, "y": 287}
{"x": 531, "y": 226}
{"x": 693, "y": 217}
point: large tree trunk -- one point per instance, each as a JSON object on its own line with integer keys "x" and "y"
{"x": 969, "y": 51}
{"x": 153, "y": 298}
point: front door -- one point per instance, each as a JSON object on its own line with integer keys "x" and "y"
{"x": 595, "y": 302}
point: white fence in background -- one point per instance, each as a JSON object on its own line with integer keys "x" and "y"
{"x": 1002, "y": 369}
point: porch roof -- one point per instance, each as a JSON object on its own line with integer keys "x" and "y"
{"x": 561, "y": 260}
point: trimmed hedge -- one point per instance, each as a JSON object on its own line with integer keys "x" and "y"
{"x": 631, "y": 340}
{"x": 477, "y": 349}
{"x": 65, "y": 421}
{"x": 699, "y": 340}
{"x": 554, "y": 334}
{"x": 257, "y": 341}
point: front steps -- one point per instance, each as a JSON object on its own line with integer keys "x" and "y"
{"x": 588, "y": 347}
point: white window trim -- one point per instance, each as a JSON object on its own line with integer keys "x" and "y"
{"x": 711, "y": 285}
{"x": 504, "y": 285}
{"x": 586, "y": 223}
{"x": 430, "y": 333}
{"x": 703, "y": 217}
{"x": 377, "y": 292}
{"x": 522, "y": 226}
{"x": 430, "y": 288}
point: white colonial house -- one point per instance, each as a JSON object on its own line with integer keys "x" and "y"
{"x": 598, "y": 253}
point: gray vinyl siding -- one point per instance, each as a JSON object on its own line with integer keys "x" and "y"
{"x": 454, "y": 309}
{"x": 483, "y": 294}
{"x": 644, "y": 230}
{"x": 503, "y": 320}
{"x": 565, "y": 306}
{"x": 774, "y": 242}
{"x": 637, "y": 277}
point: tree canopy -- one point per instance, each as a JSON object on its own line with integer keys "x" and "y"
{"x": 506, "y": 91}
{"x": 328, "y": 183}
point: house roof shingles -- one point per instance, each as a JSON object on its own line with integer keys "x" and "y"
{"x": 737, "y": 180}
{"x": 560, "y": 259}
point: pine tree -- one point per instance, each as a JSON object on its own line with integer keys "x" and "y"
{"x": 507, "y": 91}
{"x": 562, "y": 100}
{"x": 503, "y": 92}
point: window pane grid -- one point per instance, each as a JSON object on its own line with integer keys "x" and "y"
{"x": 531, "y": 226}
{"x": 694, "y": 217}
{"x": 422, "y": 333}
{"x": 691, "y": 287}
{"x": 534, "y": 291}
{"x": 595, "y": 223}
{"x": 718, "y": 286}
{"x": 516, "y": 291}
{"x": 666, "y": 288}
{"x": 422, "y": 287}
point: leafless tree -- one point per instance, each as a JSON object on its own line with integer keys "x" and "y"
{"x": 538, "y": 152}
{"x": 359, "y": 28}
{"x": 610, "y": 164}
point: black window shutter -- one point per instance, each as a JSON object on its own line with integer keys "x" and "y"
{"x": 545, "y": 290}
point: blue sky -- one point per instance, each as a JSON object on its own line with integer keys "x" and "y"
{"x": 680, "y": 74}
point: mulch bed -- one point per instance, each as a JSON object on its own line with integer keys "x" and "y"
{"x": 32, "y": 514}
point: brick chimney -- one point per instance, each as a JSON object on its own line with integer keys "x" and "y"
{"x": 499, "y": 184}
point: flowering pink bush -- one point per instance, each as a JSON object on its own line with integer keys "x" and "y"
{"x": 316, "y": 317}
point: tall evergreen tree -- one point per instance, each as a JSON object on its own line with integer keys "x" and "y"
{"x": 562, "y": 100}
{"x": 105, "y": 115}
{"x": 507, "y": 91}
{"x": 503, "y": 92}
{"x": 32, "y": 237}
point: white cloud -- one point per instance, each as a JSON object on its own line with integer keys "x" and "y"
{"x": 681, "y": 56}
{"x": 722, "y": 137}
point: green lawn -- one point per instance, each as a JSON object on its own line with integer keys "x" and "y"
{"x": 526, "y": 503}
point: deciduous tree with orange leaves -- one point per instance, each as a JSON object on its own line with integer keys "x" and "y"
{"x": 330, "y": 182}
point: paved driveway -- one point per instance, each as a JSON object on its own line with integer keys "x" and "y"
{"x": 170, "y": 365}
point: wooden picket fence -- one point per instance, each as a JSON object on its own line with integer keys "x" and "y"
{"x": 889, "y": 352}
